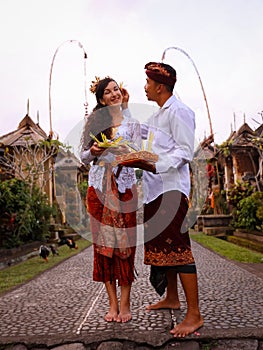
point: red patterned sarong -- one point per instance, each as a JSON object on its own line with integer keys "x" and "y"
{"x": 111, "y": 262}
{"x": 166, "y": 241}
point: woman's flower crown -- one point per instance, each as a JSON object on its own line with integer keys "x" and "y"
{"x": 94, "y": 84}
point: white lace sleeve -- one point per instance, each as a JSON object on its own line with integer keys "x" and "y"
{"x": 136, "y": 135}
{"x": 86, "y": 157}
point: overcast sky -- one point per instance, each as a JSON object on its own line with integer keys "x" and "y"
{"x": 222, "y": 37}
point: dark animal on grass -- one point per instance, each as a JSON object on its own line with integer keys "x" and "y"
{"x": 44, "y": 252}
{"x": 69, "y": 242}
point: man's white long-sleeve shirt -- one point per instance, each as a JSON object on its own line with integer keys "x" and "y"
{"x": 173, "y": 127}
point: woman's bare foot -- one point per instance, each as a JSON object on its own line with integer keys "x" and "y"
{"x": 164, "y": 304}
{"x": 189, "y": 325}
{"x": 125, "y": 311}
{"x": 111, "y": 316}
{"x": 113, "y": 301}
{"x": 124, "y": 316}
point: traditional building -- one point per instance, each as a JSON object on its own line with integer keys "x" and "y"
{"x": 26, "y": 153}
{"x": 240, "y": 157}
{"x": 20, "y": 153}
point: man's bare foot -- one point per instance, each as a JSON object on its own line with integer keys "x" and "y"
{"x": 124, "y": 316}
{"x": 111, "y": 316}
{"x": 189, "y": 325}
{"x": 164, "y": 304}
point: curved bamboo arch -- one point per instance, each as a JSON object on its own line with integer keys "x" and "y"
{"x": 50, "y": 79}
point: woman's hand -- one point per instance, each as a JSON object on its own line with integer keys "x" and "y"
{"x": 125, "y": 98}
{"x": 95, "y": 150}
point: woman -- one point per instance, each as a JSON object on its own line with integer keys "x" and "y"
{"x": 112, "y": 194}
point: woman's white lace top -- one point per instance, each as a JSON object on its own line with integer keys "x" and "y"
{"x": 130, "y": 131}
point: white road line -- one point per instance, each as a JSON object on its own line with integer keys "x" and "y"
{"x": 89, "y": 311}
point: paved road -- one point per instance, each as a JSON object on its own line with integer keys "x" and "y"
{"x": 64, "y": 303}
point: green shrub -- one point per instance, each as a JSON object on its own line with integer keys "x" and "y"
{"x": 249, "y": 211}
{"x": 239, "y": 191}
{"x": 25, "y": 213}
{"x": 83, "y": 188}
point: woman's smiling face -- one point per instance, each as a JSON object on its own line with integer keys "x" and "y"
{"x": 112, "y": 94}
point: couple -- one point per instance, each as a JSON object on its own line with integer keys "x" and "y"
{"x": 112, "y": 195}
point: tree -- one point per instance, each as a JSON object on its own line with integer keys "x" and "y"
{"x": 24, "y": 204}
{"x": 31, "y": 162}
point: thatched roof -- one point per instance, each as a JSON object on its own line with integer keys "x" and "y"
{"x": 242, "y": 137}
{"x": 27, "y": 131}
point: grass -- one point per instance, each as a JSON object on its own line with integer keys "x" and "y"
{"x": 15, "y": 275}
{"x": 227, "y": 249}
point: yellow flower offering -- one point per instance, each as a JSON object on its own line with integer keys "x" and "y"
{"x": 105, "y": 143}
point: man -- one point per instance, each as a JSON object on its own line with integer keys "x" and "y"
{"x": 170, "y": 132}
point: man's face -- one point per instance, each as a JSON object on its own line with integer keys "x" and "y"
{"x": 150, "y": 89}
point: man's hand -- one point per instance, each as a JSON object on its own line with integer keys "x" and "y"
{"x": 144, "y": 165}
